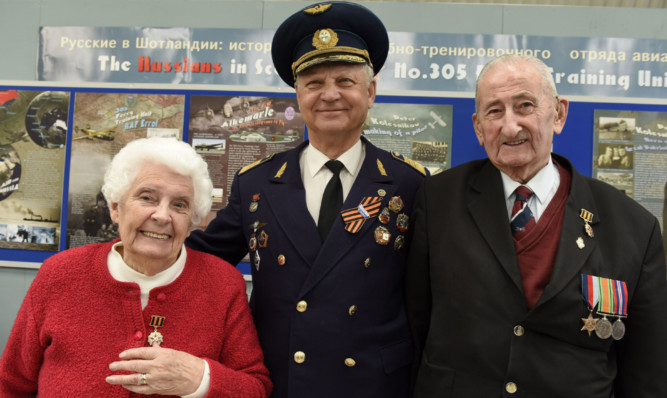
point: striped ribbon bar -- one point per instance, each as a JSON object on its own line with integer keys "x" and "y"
{"x": 613, "y": 297}
{"x": 590, "y": 290}
{"x": 354, "y": 218}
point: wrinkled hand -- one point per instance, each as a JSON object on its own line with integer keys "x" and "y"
{"x": 168, "y": 372}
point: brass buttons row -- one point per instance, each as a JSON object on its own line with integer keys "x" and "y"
{"x": 300, "y": 357}
{"x": 302, "y": 306}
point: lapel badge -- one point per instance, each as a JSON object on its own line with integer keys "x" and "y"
{"x": 402, "y": 222}
{"x": 255, "y": 260}
{"x": 396, "y": 204}
{"x": 399, "y": 242}
{"x": 355, "y": 217}
{"x": 382, "y": 235}
{"x": 384, "y": 216}
{"x": 255, "y": 203}
{"x": 587, "y": 216}
{"x": 281, "y": 171}
{"x": 382, "y": 193}
{"x": 580, "y": 243}
{"x": 262, "y": 239}
{"x": 381, "y": 169}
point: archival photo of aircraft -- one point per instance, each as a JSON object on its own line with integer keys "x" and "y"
{"x": 89, "y": 133}
{"x": 208, "y": 145}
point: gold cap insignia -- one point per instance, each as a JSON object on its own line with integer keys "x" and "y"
{"x": 318, "y": 9}
{"x": 325, "y": 38}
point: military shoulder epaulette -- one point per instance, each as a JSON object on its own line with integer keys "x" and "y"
{"x": 255, "y": 164}
{"x": 415, "y": 165}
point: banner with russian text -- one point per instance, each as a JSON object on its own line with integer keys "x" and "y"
{"x": 432, "y": 62}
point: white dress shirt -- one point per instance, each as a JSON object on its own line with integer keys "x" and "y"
{"x": 315, "y": 175}
{"x": 544, "y": 186}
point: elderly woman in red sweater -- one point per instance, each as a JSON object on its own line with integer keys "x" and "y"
{"x": 143, "y": 314}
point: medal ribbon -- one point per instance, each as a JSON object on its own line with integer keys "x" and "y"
{"x": 613, "y": 297}
{"x": 354, "y": 218}
{"x": 157, "y": 321}
{"x": 590, "y": 290}
{"x": 621, "y": 298}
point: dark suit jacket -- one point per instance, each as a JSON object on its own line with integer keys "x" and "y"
{"x": 473, "y": 333}
{"x": 340, "y": 302}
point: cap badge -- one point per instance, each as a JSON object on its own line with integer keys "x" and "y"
{"x": 318, "y": 9}
{"x": 325, "y": 38}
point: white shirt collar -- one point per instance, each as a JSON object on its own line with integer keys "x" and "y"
{"x": 122, "y": 272}
{"x": 351, "y": 159}
{"x": 541, "y": 184}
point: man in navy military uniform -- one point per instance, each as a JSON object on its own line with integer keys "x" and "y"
{"x": 327, "y": 293}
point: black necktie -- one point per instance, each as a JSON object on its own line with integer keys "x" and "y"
{"x": 332, "y": 200}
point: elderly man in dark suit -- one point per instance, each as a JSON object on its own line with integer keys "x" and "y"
{"x": 327, "y": 240}
{"x": 553, "y": 291}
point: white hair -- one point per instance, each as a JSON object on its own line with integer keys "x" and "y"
{"x": 513, "y": 59}
{"x": 170, "y": 152}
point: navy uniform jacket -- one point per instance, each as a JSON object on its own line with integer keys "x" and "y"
{"x": 474, "y": 334}
{"x": 330, "y": 316}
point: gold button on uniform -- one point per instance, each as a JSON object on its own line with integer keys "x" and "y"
{"x": 281, "y": 260}
{"x": 349, "y": 362}
{"x": 299, "y": 357}
{"x": 352, "y": 310}
{"x": 510, "y": 387}
{"x": 301, "y": 306}
{"x": 519, "y": 330}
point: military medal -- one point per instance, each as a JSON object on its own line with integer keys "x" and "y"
{"x": 617, "y": 329}
{"x": 155, "y": 338}
{"x": 255, "y": 260}
{"x": 587, "y": 216}
{"x": 263, "y": 239}
{"x": 589, "y": 289}
{"x": 355, "y": 218}
{"x": 396, "y": 204}
{"x": 402, "y": 222}
{"x": 255, "y": 203}
{"x": 611, "y": 296}
{"x": 603, "y": 328}
{"x": 252, "y": 243}
{"x": 382, "y": 235}
{"x": 384, "y": 216}
{"x": 589, "y": 323}
{"x": 399, "y": 242}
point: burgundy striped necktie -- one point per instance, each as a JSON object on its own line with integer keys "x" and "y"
{"x": 522, "y": 218}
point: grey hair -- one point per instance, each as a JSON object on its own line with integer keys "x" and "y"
{"x": 514, "y": 59}
{"x": 170, "y": 152}
{"x": 370, "y": 75}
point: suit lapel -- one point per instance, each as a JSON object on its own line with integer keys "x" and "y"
{"x": 488, "y": 211}
{"x": 286, "y": 196}
{"x": 340, "y": 242}
{"x": 574, "y": 246}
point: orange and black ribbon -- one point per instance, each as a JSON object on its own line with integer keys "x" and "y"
{"x": 354, "y": 218}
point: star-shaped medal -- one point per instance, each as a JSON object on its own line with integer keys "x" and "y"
{"x": 589, "y": 323}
